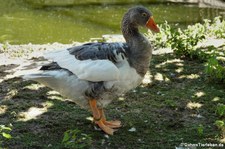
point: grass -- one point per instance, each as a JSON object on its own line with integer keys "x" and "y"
{"x": 178, "y": 106}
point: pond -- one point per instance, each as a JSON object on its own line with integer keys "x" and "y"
{"x": 22, "y": 23}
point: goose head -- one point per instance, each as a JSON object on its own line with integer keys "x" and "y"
{"x": 138, "y": 16}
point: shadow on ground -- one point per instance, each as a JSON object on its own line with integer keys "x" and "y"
{"x": 178, "y": 106}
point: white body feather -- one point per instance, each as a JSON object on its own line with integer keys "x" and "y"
{"x": 92, "y": 70}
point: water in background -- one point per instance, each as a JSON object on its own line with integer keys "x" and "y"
{"x": 22, "y": 23}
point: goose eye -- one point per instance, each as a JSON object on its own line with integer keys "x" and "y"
{"x": 144, "y": 14}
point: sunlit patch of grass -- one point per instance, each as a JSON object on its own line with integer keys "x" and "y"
{"x": 199, "y": 94}
{"x": 55, "y": 97}
{"x": 34, "y": 86}
{"x": 34, "y": 112}
{"x": 11, "y": 93}
{"x": 177, "y": 62}
{"x": 3, "y": 109}
{"x": 222, "y": 140}
{"x": 160, "y": 77}
{"x": 52, "y": 92}
{"x": 194, "y": 105}
{"x": 179, "y": 70}
{"x": 191, "y": 76}
{"x": 216, "y": 99}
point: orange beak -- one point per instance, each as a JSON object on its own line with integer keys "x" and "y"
{"x": 152, "y": 25}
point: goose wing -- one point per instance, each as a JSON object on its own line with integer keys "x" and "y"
{"x": 92, "y": 61}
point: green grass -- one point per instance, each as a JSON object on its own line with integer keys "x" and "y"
{"x": 181, "y": 106}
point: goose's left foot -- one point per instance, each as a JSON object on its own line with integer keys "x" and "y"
{"x": 111, "y": 124}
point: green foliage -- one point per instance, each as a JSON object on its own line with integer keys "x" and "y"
{"x": 170, "y": 103}
{"x": 219, "y": 124}
{"x": 217, "y": 28}
{"x": 4, "y": 48}
{"x": 4, "y": 133}
{"x": 76, "y": 140}
{"x": 185, "y": 42}
{"x": 164, "y": 37}
{"x": 200, "y": 130}
{"x": 215, "y": 70}
{"x": 220, "y": 110}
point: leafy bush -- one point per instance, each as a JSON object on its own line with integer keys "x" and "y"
{"x": 185, "y": 44}
{"x": 163, "y": 38}
{"x": 217, "y": 28}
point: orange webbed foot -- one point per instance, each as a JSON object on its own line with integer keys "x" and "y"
{"x": 105, "y": 128}
{"x": 113, "y": 124}
{"x": 100, "y": 120}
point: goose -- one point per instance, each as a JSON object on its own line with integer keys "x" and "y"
{"x": 94, "y": 74}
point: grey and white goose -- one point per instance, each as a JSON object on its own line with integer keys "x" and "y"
{"x": 94, "y": 74}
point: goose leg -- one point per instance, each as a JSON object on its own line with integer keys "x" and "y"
{"x": 111, "y": 124}
{"x": 98, "y": 118}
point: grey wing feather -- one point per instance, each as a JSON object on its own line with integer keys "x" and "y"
{"x": 99, "y": 51}
{"x": 54, "y": 66}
